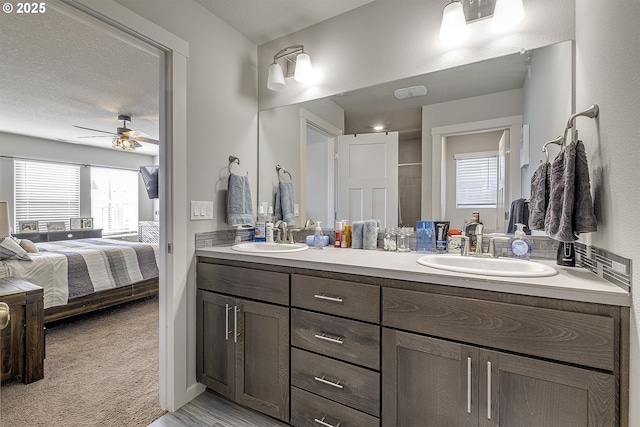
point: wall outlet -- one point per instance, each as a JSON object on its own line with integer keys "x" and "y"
{"x": 201, "y": 210}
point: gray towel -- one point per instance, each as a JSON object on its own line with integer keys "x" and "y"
{"x": 519, "y": 214}
{"x": 357, "y": 234}
{"x": 539, "y": 200}
{"x": 284, "y": 203}
{"x": 570, "y": 205}
{"x": 370, "y": 234}
{"x": 239, "y": 205}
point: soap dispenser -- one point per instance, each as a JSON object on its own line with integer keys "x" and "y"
{"x": 520, "y": 245}
{"x": 318, "y": 238}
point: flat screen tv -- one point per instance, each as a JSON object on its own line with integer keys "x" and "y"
{"x": 150, "y": 178}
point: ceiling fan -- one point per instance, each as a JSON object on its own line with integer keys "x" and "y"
{"x": 124, "y": 138}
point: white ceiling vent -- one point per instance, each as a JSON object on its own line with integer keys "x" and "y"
{"x": 410, "y": 92}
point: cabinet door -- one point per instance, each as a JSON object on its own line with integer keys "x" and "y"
{"x": 262, "y": 362}
{"x": 215, "y": 342}
{"x": 529, "y": 392}
{"x": 427, "y": 382}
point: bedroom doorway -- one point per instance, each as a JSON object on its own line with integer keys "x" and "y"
{"x": 173, "y": 266}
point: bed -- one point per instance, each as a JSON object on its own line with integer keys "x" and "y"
{"x": 82, "y": 275}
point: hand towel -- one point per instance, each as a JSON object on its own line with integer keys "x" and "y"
{"x": 570, "y": 204}
{"x": 239, "y": 205}
{"x": 519, "y": 214}
{"x": 284, "y": 203}
{"x": 539, "y": 200}
{"x": 357, "y": 234}
{"x": 370, "y": 234}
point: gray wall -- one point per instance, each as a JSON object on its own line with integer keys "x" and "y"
{"x": 43, "y": 149}
{"x": 607, "y": 64}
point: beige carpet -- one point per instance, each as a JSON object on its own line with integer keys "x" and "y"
{"x": 100, "y": 370}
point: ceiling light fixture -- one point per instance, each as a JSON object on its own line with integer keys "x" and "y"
{"x": 378, "y": 128}
{"x": 458, "y": 13}
{"x": 410, "y": 92}
{"x": 124, "y": 143}
{"x": 297, "y": 65}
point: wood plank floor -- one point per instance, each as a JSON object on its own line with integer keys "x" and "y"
{"x": 211, "y": 410}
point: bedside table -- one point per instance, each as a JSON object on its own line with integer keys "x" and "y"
{"x": 22, "y": 341}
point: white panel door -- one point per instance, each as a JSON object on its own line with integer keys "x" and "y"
{"x": 367, "y": 186}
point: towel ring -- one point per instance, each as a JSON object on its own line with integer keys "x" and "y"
{"x": 233, "y": 159}
{"x": 280, "y": 168}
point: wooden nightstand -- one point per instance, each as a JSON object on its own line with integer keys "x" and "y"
{"x": 22, "y": 341}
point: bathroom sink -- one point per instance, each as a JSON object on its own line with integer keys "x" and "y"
{"x": 506, "y": 267}
{"x": 263, "y": 247}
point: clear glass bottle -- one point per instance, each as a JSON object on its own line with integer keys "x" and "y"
{"x": 404, "y": 239}
{"x": 389, "y": 241}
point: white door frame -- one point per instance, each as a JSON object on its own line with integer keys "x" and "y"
{"x": 438, "y": 149}
{"x": 174, "y": 265}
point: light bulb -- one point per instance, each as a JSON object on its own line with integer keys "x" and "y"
{"x": 276, "y": 77}
{"x": 304, "y": 71}
{"x": 453, "y": 29}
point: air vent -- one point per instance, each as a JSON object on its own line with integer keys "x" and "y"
{"x": 410, "y": 92}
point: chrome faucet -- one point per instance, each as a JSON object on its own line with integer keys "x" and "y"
{"x": 308, "y": 223}
{"x": 281, "y": 227}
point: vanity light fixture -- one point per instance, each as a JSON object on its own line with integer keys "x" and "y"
{"x": 297, "y": 63}
{"x": 458, "y": 13}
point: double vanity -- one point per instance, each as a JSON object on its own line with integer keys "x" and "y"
{"x": 350, "y": 337}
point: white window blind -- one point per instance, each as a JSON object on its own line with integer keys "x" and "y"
{"x": 476, "y": 180}
{"x": 46, "y": 192}
{"x": 114, "y": 200}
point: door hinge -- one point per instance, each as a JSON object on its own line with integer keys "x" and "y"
{"x": 170, "y": 248}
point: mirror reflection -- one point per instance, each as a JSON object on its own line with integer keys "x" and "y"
{"x": 503, "y": 108}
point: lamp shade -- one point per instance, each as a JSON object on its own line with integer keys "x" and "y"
{"x": 453, "y": 28}
{"x": 275, "y": 80}
{"x": 507, "y": 14}
{"x": 304, "y": 71}
{"x": 5, "y": 224}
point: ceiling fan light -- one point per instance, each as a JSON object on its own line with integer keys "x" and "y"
{"x": 453, "y": 28}
{"x": 304, "y": 70}
{"x": 276, "y": 77}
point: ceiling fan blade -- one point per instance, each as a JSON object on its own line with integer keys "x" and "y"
{"x": 96, "y": 136}
{"x": 95, "y": 130}
{"x": 149, "y": 140}
{"x": 140, "y": 132}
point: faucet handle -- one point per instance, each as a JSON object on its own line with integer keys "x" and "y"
{"x": 466, "y": 247}
{"x": 291, "y": 236}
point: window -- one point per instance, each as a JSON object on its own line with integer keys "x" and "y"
{"x": 114, "y": 200}
{"x": 46, "y": 192}
{"x": 476, "y": 180}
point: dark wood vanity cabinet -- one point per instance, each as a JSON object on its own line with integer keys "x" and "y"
{"x": 242, "y": 344}
{"x": 465, "y": 379}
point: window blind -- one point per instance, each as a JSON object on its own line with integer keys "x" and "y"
{"x": 46, "y": 192}
{"x": 114, "y": 200}
{"x": 477, "y": 180}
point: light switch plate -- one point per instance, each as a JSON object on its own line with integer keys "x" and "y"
{"x": 201, "y": 210}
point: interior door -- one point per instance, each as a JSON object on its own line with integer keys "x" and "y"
{"x": 367, "y": 185}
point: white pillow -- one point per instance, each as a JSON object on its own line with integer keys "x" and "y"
{"x": 10, "y": 249}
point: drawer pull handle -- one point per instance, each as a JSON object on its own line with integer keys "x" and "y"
{"x": 323, "y": 380}
{"x": 326, "y": 424}
{"x": 488, "y": 390}
{"x": 328, "y": 298}
{"x": 336, "y": 340}
{"x": 468, "y": 385}
{"x": 226, "y": 321}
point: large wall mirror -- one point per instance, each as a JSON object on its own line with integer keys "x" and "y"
{"x": 509, "y": 106}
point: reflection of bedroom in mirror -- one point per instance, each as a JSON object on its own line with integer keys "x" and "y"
{"x": 81, "y": 185}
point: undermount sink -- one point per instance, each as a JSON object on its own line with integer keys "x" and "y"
{"x": 506, "y": 267}
{"x": 263, "y": 247}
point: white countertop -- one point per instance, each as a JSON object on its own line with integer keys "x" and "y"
{"x": 571, "y": 283}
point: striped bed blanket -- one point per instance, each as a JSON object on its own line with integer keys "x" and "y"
{"x": 73, "y": 268}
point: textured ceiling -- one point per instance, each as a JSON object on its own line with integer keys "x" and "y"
{"x": 63, "y": 68}
{"x": 262, "y": 21}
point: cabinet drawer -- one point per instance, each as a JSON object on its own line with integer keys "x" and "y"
{"x": 267, "y": 286}
{"x": 349, "y": 299}
{"x": 341, "y": 382}
{"x": 348, "y": 340}
{"x": 309, "y": 410}
{"x": 583, "y": 339}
